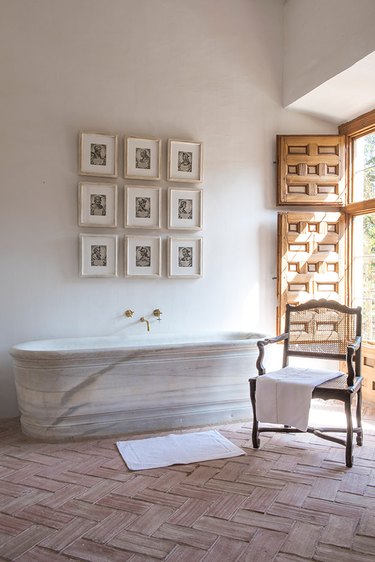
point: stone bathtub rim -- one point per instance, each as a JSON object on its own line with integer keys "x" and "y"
{"x": 81, "y": 346}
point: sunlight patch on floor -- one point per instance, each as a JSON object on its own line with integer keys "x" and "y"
{"x": 333, "y": 415}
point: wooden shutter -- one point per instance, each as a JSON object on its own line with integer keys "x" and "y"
{"x": 311, "y": 170}
{"x": 311, "y": 258}
{"x": 368, "y": 372}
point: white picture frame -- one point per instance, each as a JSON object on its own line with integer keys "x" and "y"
{"x": 98, "y": 155}
{"x": 97, "y": 205}
{"x": 185, "y": 258}
{"x": 185, "y": 209}
{"x": 142, "y": 158}
{"x": 98, "y": 255}
{"x": 142, "y": 207}
{"x": 143, "y": 256}
{"x": 185, "y": 161}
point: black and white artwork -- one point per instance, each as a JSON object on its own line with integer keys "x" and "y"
{"x": 143, "y": 256}
{"x": 98, "y": 205}
{"x": 98, "y": 255}
{"x": 143, "y": 158}
{"x": 143, "y": 207}
{"x": 185, "y": 209}
{"x": 185, "y": 161}
{"x": 185, "y": 256}
{"x": 98, "y": 154}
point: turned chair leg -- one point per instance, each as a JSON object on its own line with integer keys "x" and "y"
{"x": 349, "y": 433}
{"x": 359, "y": 438}
{"x": 255, "y": 433}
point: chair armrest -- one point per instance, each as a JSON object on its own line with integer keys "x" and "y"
{"x": 356, "y": 344}
{"x": 261, "y": 344}
{"x": 276, "y": 339}
{"x": 350, "y": 354}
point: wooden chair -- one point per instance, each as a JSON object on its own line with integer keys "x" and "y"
{"x": 322, "y": 330}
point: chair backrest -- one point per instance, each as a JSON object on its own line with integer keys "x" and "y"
{"x": 321, "y": 329}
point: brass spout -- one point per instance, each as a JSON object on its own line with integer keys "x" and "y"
{"x": 143, "y": 319}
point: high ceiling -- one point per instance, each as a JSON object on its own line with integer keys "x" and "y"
{"x": 344, "y": 97}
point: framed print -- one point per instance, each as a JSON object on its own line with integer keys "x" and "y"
{"x": 142, "y": 207}
{"x": 97, "y": 204}
{"x": 185, "y": 208}
{"x": 142, "y": 158}
{"x": 185, "y": 161}
{"x": 98, "y": 155}
{"x": 142, "y": 256}
{"x": 98, "y": 255}
{"x": 185, "y": 257}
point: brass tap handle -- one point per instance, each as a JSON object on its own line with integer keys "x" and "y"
{"x": 157, "y": 312}
{"x": 128, "y": 313}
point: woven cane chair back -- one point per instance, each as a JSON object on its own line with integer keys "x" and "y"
{"x": 319, "y": 330}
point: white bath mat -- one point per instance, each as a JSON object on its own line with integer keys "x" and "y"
{"x": 184, "y": 448}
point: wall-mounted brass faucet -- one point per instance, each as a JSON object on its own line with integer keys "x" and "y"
{"x": 143, "y": 319}
{"x": 128, "y": 313}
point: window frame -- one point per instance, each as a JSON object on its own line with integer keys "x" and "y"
{"x": 353, "y": 130}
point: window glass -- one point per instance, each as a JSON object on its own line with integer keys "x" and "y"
{"x": 364, "y": 168}
{"x": 364, "y": 271}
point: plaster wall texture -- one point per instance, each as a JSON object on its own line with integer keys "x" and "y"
{"x": 205, "y": 70}
{"x": 321, "y": 39}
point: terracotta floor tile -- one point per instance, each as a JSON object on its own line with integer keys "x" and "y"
{"x": 263, "y": 520}
{"x": 24, "y": 541}
{"x": 189, "y": 512}
{"x": 226, "y": 506}
{"x": 222, "y": 527}
{"x": 109, "y": 527}
{"x": 151, "y": 520}
{"x": 225, "y": 548}
{"x": 367, "y": 524}
{"x": 263, "y": 546}
{"x": 185, "y": 535}
{"x": 291, "y": 500}
{"x": 183, "y": 553}
{"x": 302, "y": 540}
{"x": 294, "y": 494}
{"x": 58, "y": 540}
{"x": 260, "y": 499}
{"x": 324, "y": 488}
{"x": 93, "y": 552}
{"x": 339, "y": 531}
{"x": 135, "y": 542}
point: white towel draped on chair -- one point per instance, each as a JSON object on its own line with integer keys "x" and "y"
{"x": 284, "y": 396}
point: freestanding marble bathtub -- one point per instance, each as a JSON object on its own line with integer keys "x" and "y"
{"x": 87, "y": 387}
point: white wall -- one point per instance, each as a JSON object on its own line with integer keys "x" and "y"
{"x": 323, "y": 38}
{"x": 207, "y": 70}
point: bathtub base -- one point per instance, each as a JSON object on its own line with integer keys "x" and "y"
{"x": 136, "y": 423}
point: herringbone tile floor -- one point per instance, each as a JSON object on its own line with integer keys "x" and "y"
{"x": 291, "y": 500}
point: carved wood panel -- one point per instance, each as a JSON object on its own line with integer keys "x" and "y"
{"x": 368, "y": 372}
{"x": 311, "y": 170}
{"x": 311, "y": 258}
